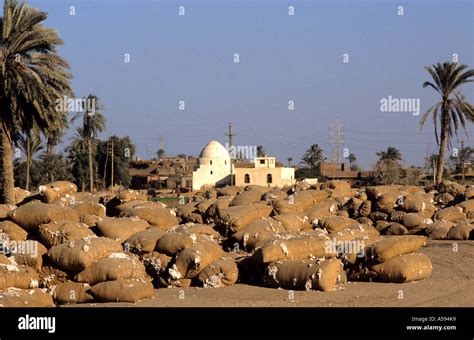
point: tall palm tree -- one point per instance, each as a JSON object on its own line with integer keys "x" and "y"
{"x": 392, "y": 154}
{"x": 93, "y": 123}
{"x": 312, "y": 156}
{"x": 453, "y": 110}
{"x": 352, "y": 159}
{"x": 30, "y": 144}
{"x": 289, "y": 159}
{"x": 54, "y": 137}
{"x": 32, "y": 78}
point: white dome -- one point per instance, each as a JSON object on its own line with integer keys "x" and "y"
{"x": 214, "y": 150}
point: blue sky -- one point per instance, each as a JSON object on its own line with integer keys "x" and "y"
{"x": 282, "y": 58}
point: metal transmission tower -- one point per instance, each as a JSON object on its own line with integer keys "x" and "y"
{"x": 230, "y": 135}
{"x": 336, "y": 136}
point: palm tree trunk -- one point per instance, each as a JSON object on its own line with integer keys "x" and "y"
{"x": 91, "y": 170}
{"x": 28, "y": 162}
{"x": 442, "y": 148}
{"x": 7, "y": 190}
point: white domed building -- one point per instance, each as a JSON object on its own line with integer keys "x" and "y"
{"x": 214, "y": 166}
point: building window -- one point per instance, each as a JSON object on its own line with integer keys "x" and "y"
{"x": 210, "y": 162}
{"x": 247, "y": 178}
{"x": 262, "y": 161}
{"x": 211, "y": 172}
{"x": 269, "y": 178}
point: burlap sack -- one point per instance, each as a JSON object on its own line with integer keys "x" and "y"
{"x": 160, "y": 218}
{"x": 220, "y": 273}
{"x": 307, "y": 275}
{"x": 321, "y": 210}
{"x": 354, "y": 231}
{"x": 54, "y": 190}
{"x": 29, "y": 253}
{"x": 90, "y": 220}
{"x": 143, "y": 241}
{"x": 338, "y": 184}
{"x": 89, "y": 208}
{"x": 294, "y": 222}
{"x": 237, "y": 217}
{"x": 33, "y": 214}
{"x": 156, "y": 264}
{"x": 375, "y": 191}
{"x": 228, "y": 191}
{"x": 115, "y": 266}
{"x": 219, "y": 206}
{"x": 55, "y": 233}
{"x": 247, "y": 197}
{"x": 71, "y": 292}
{"x": 453, "y": 214}
{"x": 378, "y": 216}
{"x": 123, "y": 290}
{"x": 130, "y": 195}
{"x": 395, "y": 228}
{"x": 382, "y": 225}
{"x": 204, "y": 205}
{"x": 13, "y": 275}
{"x": 171, "y": 243}
{"x": 197, "y": 228}
{"x": 14, "y": 297}
{"x": 297, "y": 248}
{"x": 185, "y": 210}
{"x": 439, "y": 229}
{"x": 257, "y": 231}
{"x": 77, "y": 255}
{"x": 444, "y": 199}
{"x": 21, "y": 195}
{"x": 286, "y": 206}
{"x": 411, "y": 204}
{"x": 365, "y": 208}
{"x": 392, "y": 246}
{"x": 412, "y": 220}
{"x": 467, "y": 206}
{"x": 5, "y": 209}
{"x": 461, "y": 231}
{"x": 306, "y": 199}
{"x": 191, "y": 261}
{"x": 13, "y": 230}
{"x": 452, "y": 188}
{"x": 336, "y": 223}
{"x": 274, "y": 195}
{"x": 404, "y": 268}
{"x": 469, "y": 193}
{"x": 121, "y": 228}
{"x": 51, "y": 275}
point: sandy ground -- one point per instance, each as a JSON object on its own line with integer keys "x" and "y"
{"x": 451, "y": 285}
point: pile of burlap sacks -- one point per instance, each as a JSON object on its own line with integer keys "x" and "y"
{"x": 118, "y": 248}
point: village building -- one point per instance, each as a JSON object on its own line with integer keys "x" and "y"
{"x": 215, "y": 169}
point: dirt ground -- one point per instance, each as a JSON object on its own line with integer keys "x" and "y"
{"x": 451, "y": 285}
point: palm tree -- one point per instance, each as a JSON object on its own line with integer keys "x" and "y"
{"x": 289, "y": 159}
{"x": 32, "y": 78}
{"x": 93, "y": 123}
{"x": 392, "y": 154}
{"x": 53, "y": 138}
{"x": 352, "y": 159}
{"x": 30, "y": 144}
{"x": 453, "y": 110}
{"x": 312, "y": 156}
{"x": 160, "y": 153}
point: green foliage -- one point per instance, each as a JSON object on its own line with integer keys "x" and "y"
{"x": 312, "y": 157}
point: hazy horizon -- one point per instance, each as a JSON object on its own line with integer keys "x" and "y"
{"x": 282, "y": 58}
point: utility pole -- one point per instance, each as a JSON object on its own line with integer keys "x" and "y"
{"x": 336, "y": 140}
{"x": 462, "y": 162}
{"x": 112, "y": 166}
{"x": 230, "y": 134}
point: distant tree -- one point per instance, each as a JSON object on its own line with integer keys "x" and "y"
{"x": 78, "y": 158}
{"x": 387, "y": 172}
{"x": 29, "y": 144}
{"x": 312, "y": 157}
{"x": 160, "y": 153}
{"x": 93, "y": 123}
{"x": 352, "y": 159}
{"x": 289, "y": 159}
{"x": 182, "y": 155}
{"x": 124, "y": 151}
{"x": 392, "y": 154}
{"x": 465, "y": 155}
{"x": 453, "y": 111}
{"x": 411, "y": 176}
{"x": 261, "y": 151}
{"x": 54, "y": 167}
